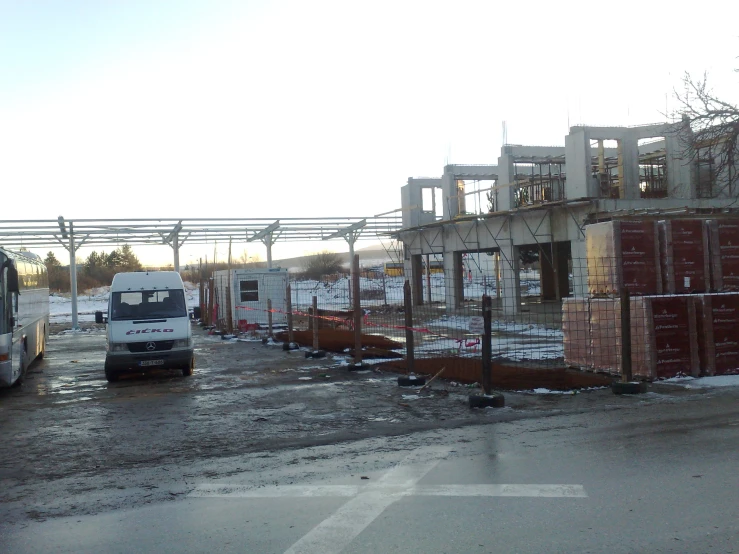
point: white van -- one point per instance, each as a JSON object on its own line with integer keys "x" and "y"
{"x": 148, "y": 324}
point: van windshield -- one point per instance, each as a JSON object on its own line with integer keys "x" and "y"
{"x": 147, "y": 304}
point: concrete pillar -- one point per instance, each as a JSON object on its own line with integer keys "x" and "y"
{"x": 449, "y": 193}
{"x": 510, "y": 271}
{"x": 579, "y": 266}
{"x": 176, "y": 250}
{"x": 268, "y": 243}
{"x": 416, "y": 279}
{"x": 580, "y": 183}
{"x": 504, "y": 192}
{"x": 680, "y": 183}
{"x": 629, "y": 157}
{"x": 410, "y": 209}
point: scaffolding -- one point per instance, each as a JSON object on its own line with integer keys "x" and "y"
{"x": 538, "y": 180}
{"x": 653, "y": 175}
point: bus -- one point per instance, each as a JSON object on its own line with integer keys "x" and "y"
{"x": 394, "y": 269}
{"x": 24, "y": 314}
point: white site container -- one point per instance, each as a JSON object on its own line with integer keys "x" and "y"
{"x": 249, "y": 291}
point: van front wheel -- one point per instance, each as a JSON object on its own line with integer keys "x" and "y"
{"x": 188, "y": 370}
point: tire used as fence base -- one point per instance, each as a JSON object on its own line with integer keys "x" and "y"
{"x": 316, "y": 354}
{"x": 487, "y": 401}
{"x": 411, "y": 381}
{"x": 619, "y": 387}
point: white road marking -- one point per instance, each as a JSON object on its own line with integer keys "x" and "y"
{"x": 533, "y": 491}
{"x": 317, "y": 491}
{"x": 334, "y": 534}
{"x": 285, "y": 491}
{"x": 369, "y": 500}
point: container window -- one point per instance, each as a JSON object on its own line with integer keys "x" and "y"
{"x": 249, "y": 291}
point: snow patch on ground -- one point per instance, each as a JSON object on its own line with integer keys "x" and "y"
{"x": 704, "y": 382}
{"x": 499, "y": 327}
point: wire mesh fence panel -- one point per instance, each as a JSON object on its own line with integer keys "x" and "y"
{"x": 664, "y": 285}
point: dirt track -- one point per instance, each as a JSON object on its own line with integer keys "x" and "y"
{"x": 73, "y": 443}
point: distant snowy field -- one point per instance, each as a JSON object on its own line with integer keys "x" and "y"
{"x": 331, "y": 294}
{"x": 96, "y": 300}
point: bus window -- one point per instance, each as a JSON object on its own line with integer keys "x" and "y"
{"x": 21, "y": 265}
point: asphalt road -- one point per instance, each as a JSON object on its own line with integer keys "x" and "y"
{"x": 585, "y": 473}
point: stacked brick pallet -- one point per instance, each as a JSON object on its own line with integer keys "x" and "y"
{"x": 684, "y": 256}
{"x": 718, "y": 333}
{"x": 685, "y": 331}
{"x": 724, "y": 243}
{"x": 623, "y": 254}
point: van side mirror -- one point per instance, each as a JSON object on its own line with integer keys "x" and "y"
{"x": 99, "y": 318}
{"x": 12, "y": 322}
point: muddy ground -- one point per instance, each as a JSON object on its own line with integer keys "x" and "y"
{"x": 75, "y": 444}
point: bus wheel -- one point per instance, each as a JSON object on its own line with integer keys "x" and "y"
{"x": 43, "y": 346}
{"x": 187, "y": 371}
{"x": 22, "y": 376}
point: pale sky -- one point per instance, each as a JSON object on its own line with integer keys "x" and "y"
{"x": 290, "y": 108}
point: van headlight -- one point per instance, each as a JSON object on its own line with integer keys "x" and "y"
{"x": 182, "y": 343}
{"x": 118, "y": 347}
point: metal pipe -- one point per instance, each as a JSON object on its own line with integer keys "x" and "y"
{"x": 357, "y": 312}
{"x": 350, "y": 239}
{"x": 176, "y": 248}
{"x": 73, "y": 275}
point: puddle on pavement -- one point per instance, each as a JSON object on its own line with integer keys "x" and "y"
{"x": 81, "y": 399}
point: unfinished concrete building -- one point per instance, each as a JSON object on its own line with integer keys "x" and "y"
{"x": 541, "y": 198}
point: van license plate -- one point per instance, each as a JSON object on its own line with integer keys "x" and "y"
{"x": 147, "y": 363}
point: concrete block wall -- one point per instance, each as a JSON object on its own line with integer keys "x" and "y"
{"x": 411, "y": 196}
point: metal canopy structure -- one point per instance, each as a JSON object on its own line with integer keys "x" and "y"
{"x": 72, "y": 234}
{"x": 96, "y": 232}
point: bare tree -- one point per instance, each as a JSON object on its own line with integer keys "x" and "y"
{"x": 322, "y": 263}
{"x": 710, "y": 127}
